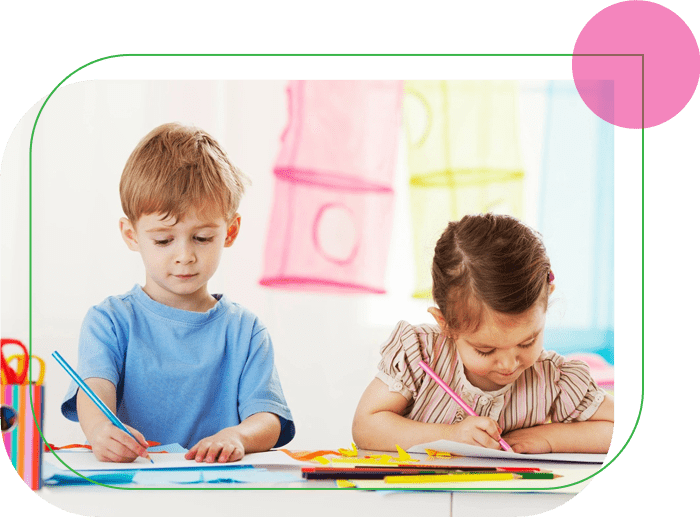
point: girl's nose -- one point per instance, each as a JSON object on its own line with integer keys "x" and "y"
{"x": 508, "y": 361}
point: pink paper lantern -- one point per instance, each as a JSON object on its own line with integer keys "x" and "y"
{"x": 332, "y": 212}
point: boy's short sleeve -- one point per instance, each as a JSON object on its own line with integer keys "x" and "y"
{"x": 99, "y": 355}
{"x": 399, "y": 368}
{"x": 260, "y": 389}
{"x": 579, "y": 396}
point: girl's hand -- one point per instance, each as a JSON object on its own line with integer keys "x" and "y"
{"x": 225, "y": 446}
{"x": 476, "y": 430}
{"x": 109, "y": 443}
{"x": 531, "y": 440}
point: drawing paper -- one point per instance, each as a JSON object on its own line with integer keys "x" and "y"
{"x": 481, "y": 452}
{"x": 86, "y": 461}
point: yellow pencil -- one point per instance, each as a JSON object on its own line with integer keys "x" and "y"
{"x": 453, "y": 478}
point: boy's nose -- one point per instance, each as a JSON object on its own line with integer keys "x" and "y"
{"x": 185, "y": 255}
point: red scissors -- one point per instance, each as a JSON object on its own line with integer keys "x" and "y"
{"x": 9, "y": 375}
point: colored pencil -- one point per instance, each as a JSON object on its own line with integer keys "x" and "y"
{"x": 456, "y": 398}
{"x": 539, "y": 475}
{"x": 453, "y": 478}
{"x": 381, "y": 473}
{"x": 93, "y": 396}
{"x": 463, "y": 467}
{"x": 425, "y": 466}
{"x": 365, "y": 473}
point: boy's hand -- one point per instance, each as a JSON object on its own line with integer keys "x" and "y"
{"x": 109, "y": 443}
{"x": 531, "y": 440}
{"x": 224, "y": 446}
{"x": 477, "y": 430}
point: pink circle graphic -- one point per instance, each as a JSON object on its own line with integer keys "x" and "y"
{"x": 612, "y": 86}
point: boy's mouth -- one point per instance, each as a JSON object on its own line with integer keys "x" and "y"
{"x": 185, "y": 277}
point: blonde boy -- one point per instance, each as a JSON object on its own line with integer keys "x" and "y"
{"x": 174, "y": 362}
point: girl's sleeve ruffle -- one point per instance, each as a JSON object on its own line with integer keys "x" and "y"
{"x": 579, "y": 396}
{"x": 398, "y": 368}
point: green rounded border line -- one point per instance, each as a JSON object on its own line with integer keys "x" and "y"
{"x": 31, "y": 143}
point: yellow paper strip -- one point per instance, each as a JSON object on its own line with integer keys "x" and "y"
{"x": 349, "y": 453}
{"x": 403, "y": 455}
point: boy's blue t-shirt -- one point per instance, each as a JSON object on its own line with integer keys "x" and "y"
{"x": 181, "y": 376}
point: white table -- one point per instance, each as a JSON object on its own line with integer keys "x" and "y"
{"x": 306, "y": 499}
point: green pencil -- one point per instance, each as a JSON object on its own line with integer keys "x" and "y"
{"x": 538, "y": 475}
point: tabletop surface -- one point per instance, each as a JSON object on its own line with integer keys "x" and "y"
{"x": 308, "y": 498}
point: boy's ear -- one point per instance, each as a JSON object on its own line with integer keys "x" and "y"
{"x": 128, "y": 234}
{"x": 233, "y": 229}
{"x": 439, "y": 318}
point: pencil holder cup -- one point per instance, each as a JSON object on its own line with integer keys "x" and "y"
{"x": 21, "y": 430}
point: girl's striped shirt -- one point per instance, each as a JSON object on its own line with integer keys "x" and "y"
{"x": 553, "y": 389}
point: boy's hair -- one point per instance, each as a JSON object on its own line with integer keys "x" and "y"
{"x": 175, "y": 168}
{"x": 488, "y": 261}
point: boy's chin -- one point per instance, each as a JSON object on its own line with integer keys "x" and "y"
{"x": 187, "y": 291}
{"x": 180, "y": 289}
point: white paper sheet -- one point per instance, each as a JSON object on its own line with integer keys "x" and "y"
{"x": 481, "y": 452}
{"x": 86, "y": 460}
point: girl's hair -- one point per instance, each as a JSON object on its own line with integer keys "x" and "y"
{"x": 175, "y": 168}
{"x": 488, "y": 261}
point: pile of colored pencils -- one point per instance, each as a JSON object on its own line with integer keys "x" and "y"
{"x": 412, "y": 473}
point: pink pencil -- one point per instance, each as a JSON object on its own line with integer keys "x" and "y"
{"x": 456, "y": 398}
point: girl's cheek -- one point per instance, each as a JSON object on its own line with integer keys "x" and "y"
{"x": 478, "y": 366}
{"x": 532, "y": 357}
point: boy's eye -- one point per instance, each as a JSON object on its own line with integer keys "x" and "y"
{"x": 527, "y": 345}
{"x": 162, "y": 242}
{"x": 204, "y": 239}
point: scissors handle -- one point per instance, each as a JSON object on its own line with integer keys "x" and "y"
{"x": 21, "y": 366}
{"x": 11, "y": 376}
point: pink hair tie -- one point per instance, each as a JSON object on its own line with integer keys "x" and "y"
{"x": 550, "y": 277}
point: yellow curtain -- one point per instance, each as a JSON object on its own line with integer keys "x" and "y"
{"x": 463, "y": 157}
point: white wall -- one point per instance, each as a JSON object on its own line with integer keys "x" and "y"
{"x": 82, "y": 140}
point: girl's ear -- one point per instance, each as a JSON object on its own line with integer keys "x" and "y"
{"x": 128, "y": 234}
{"x": 439, "y": 318}
{"x": 232, "y": 231}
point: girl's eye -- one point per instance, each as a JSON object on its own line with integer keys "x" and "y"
{"x": 528, "y": 345}
{"x": 483, "y": 353}
{"x": 204, "y": 239}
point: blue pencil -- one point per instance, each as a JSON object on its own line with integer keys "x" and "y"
{"x": 101, "y": 405}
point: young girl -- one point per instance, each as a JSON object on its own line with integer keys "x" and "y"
{"x": 491, "y": 283}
